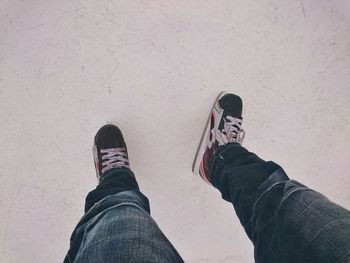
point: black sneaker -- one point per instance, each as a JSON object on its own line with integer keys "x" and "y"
{"x": 109, "y": 150}
{"x": 223, "y": 126}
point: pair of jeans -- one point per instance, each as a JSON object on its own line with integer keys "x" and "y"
{"x": 285, "y": 220}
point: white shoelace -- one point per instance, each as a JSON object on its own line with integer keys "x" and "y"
{"x": 114, "y": 158}
{"x": 232, "y": 131}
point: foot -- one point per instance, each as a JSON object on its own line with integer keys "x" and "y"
{"x": 223, "y": 126}
{"x": 109, "y": 150}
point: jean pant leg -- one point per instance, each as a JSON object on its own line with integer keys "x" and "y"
{"x": 286, "y": 221}
{"x": 118, "y": 228}
{"x": 114, "y": 181}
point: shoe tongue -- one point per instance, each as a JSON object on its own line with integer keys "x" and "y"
{"x": 232, "y": 114}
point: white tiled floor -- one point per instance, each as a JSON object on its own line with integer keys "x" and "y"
{"x": 154, "y": 68}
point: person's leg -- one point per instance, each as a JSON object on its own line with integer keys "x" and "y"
{"x": 117, "y": 226}
{"x": 286, "y": 221}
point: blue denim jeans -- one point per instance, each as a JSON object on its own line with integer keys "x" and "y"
{"x": 285, "y": 220}
{"x": 117, "y": 226}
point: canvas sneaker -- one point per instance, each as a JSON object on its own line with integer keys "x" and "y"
{"x": 109, "y": 150}
{"x": 223, "y": 126}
